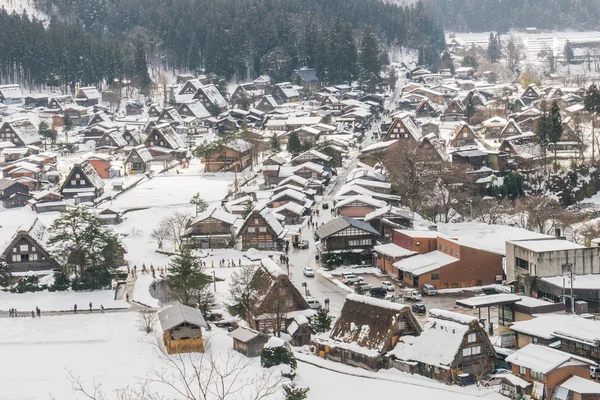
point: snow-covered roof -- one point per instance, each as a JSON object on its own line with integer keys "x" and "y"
{"x": 342, "y": 223}
{"x": 89, "y": 92}
{"x": 361, "y": 199}
{"x": 494, "y": 122}
{"x": 177, "y": 314}
{"x": 516, "y": 381}
{"x": 171, "y": 137}
{"x": 196, "y": 108}
{"x": 217, "y": 214}
{"x": 440, "y": 341}
{"x": 244, "y": 334}
{"x": 491, "y": 300}
{"x": 272, "y": 267}
{"x": 393, "y": 250}
{"x": 378, "y": 146}
{"x": 296, "y": 195}
{"x": 581, "y": 385}
{"x": 313, "y": 152}
{"x": 400, "y": 212}
{"x": 292, "y": 207}
{"x": 544, "y": 359}
{"x": 11, "y": 92}
{"x": 544, "y": 245}
{"x": 559, "y": 325}
{"x": 25, "y": 130}
{"x": 423, "y": 263}
{"x": 579, "y": 281}
{"x": 267, "y": 214}
{"x": 214, "y": 96}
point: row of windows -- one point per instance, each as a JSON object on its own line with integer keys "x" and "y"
{"x": 26, "y": 257}
{"x": 471, "y": 351}
{"x": 538, "y": 376}
{"x": 252, "y": 229}
{"x": 23, "y": 248}
{"x": 446, "y": 249}
{"x": 359, "y": 242}
{"x": 74, "y": 182}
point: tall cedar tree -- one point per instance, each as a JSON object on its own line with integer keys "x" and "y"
{"x": 293, "y": 145}
{"x": 591, "y": 102}
{"x": 542, "y": 131}
{"x": 274, "y": 144}
{"x": 140, "y": 66}
{"x": 493, "y": 48}
{"x": 555, "y": 128}
{"x": 79, "y": 240}
{"x": 185, "y": 278}
{"x": 369, "y": 61}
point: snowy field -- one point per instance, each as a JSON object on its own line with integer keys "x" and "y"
{"x": 160, "y": 191}
{"x": 109, "y": 349}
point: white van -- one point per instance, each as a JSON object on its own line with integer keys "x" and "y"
{"x": 314, "y": 303}
{"x": 429, "y": 289}
{"x": 594, "y": 372}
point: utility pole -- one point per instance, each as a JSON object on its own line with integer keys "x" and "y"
{"x": 572, "y": 297}
{"x": 568, "y": 267}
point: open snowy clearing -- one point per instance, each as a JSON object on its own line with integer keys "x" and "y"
{"x": 159, "y": 191}
{"x": 109, "y": 349}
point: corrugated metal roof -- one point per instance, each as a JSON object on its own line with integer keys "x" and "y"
{"x": 178, "y": 314}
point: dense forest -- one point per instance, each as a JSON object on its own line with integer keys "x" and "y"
{"x": 61, "y": 53}
{"x": 503, "y": 15}
{"x": 251, "y": 37}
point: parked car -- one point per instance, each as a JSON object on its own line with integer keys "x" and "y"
{"x": 303, "y": 244}
{"x": 362, "y": 286}
{"x": 390, "y": 297}
{"x": 429, "y": 289}
{"x": 325, "y": 206}
{"x": 489, "y": 290}
{"x": 388, "y": 285}
{"x": 412, "y": 294}
{"x": 308, "y": 271}
{"x": 594, "y": 372}
{"x": 378, "y": 292}
{"x": 349, "y": 279}
{"x": 314, "y": 303}
{"x": 465, "y": 379}
{"x": 491, "y": 380}
{"x": 419, "y": 308}
{"x": 501, "y": 371}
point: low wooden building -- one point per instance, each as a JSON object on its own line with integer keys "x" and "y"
{"x": 248, "y": 341}
{"x": 212, "y": 229}
{"x": 345, "y": 233}
{"x": 26, "y": 250}
{"x": 261, "y": 230}
{"x": 139, "y": 160}
{"x": 182, "y": 329}
{"x": 365, "y": 331}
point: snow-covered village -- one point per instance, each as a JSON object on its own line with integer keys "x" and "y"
{"x": 189, "y": 211}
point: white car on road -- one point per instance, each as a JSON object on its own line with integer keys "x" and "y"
{"x": 308, "y": 271}
{"x": 389, "y": 286}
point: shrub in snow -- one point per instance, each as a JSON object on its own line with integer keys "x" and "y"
{"x": 61, "y": 282}
{"x": 277, "y": 352}
{"x": 92, "y": 278}
{"x": 5, "y": 275}
{"x": 29, "y": 284}
{"x": 291, "y": 392}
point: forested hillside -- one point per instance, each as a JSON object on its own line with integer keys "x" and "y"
{"x": 62, "y": 53}
{"x": 502, "y": 15}
{"x": 250, "y": 37}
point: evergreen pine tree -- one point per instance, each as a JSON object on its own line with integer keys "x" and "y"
{"x": 568, "y": 50}
{"x": 493, "y": 48}
{"x": 185, "y": 278}
{"x": 172, "y": 101}
{"x": 275, "y": 144}
{"x": 200, "y": 203}
{"x": 5, "y": 275}
{"x": 555, "y": 128}
{"x": 293, "y": 145}
{"x": 140, "y": 66}
{"x": 321, "y": 321}
{"x": 542, "y": 131}
{"x": 368, "y": 61}
{"x": 193, "y": 55}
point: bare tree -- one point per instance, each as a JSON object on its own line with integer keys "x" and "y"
{"x": 513, "y": 52}
{"x": 160, "y": 234}
{"x": 412, "y": 173}
{"x": 243, "y": 291}
{"x": 213, "y": 375}
{"x": 146, "y": 320}
{"x": 452, "y": 190}
{"x": 541, "y": 212}
{"x": 175, "y": 225}
{"x": 490, "y": 210}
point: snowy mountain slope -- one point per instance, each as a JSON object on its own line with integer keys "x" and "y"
{"x": 19, "y": 6}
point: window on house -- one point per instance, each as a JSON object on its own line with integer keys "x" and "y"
{"x": 402, "y": 325}
{"x": 77, "y": 176}
{"x": 23, "y": 247}
{"x": 471, "y": 338}
{"x": 522, "y": 370}
{"x": 82, "y": 181}
{"x": 24, "y": 257}
{"x": 262, "y": 229}
{"x": 439, "y": 246}
{"x": 435, "y": 277}
{"x": 465, "y": 134}
{"x": 251, "y": 229}
{"x": 467, "y": 352}
{"x": 476, "y": 350}
{"x": 33, "y": 249}
{"x": 457, "y": 253}
{"x": 256, "y": 221}
{"x": 538, "y": 376}
{"x": 73, "y": 182}
{"x": 451, "y": 250}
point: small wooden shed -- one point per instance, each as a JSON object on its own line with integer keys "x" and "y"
{"x": 248, "y": 341}
{"x": 182, "y": 329}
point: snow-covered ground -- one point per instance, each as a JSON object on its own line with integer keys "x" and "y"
{"x": 109, "y": 349}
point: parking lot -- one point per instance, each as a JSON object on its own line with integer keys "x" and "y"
{"x": 445, "y": 301}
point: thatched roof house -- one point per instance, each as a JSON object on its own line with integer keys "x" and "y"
{"x": 277, "y": 300}
{"x": 366, "y": 330}
{"x": 450, "y": 343}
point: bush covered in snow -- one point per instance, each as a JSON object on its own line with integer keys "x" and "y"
{"x": 277, "y": 352}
